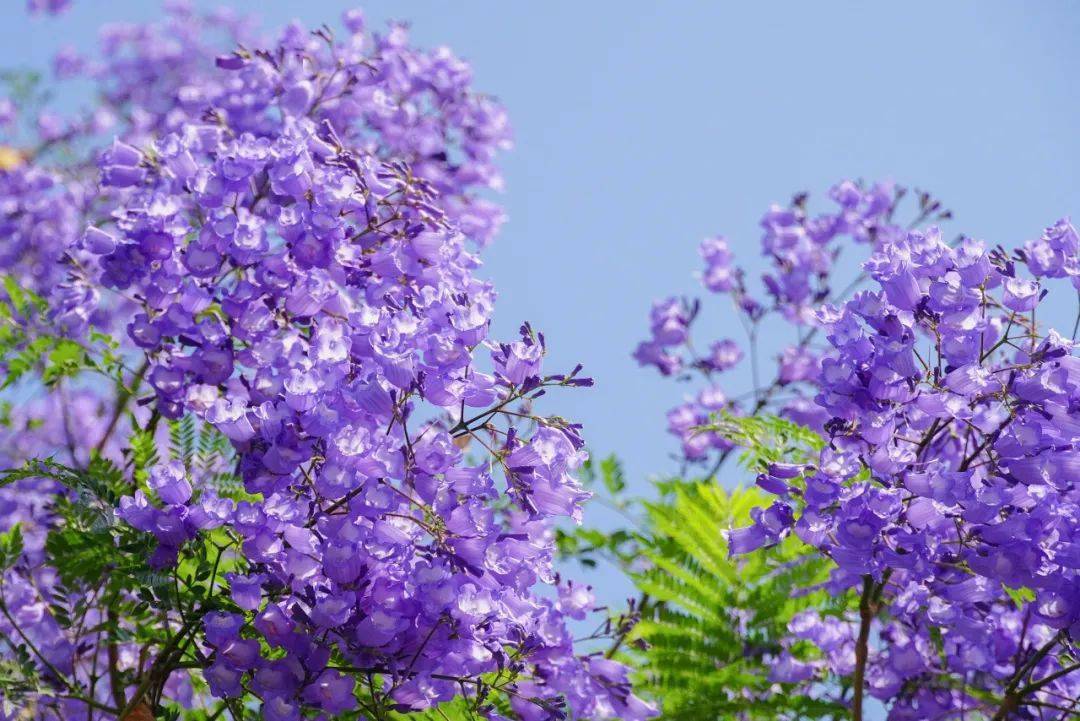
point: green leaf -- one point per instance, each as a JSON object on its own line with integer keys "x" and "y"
{"x": 1020, "y": 596}
{"x": 712, "y": 622}
{"x": 144, "y": 453}
{"x": 67, "y": 358}
{"x": 611, "y": 471}
{"x": 21, "y": 299}
{"x": 80, "y": 556}
{"x": 183, "y": 439}
{"x": 11, "y": 546}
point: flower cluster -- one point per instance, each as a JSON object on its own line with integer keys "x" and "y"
{"x": 950, "y": 477}
{"x": 287, "y": 240}
{"x": 179, "y": 519}
{"x": 51, "y": 7}
{"x": 802, "y": 250}
{"x": 947, "y": 492}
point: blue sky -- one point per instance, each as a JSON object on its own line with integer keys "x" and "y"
{"x": 642, "y": 127}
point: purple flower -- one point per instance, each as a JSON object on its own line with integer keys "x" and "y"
{"x": 670, "y": 322}
{"x": 333, "y": 611}
{"x": 278, "y": 679}
{"x": 279, "y": 708}
{"x": 719, "y": 276}
{"x": 1020, "y": 295}
{"x": 51, "y": 7}
{"x": 137, "y": 511}
{"x": 169, "y": 481}
{"x": 240, "y": 653}
{"x": 723, "y": 355}
{"x": 949, "y": 459}
{"x": 121, "y": 166}
{"x": 224, "y": 682}
{"x": 576, "y": 600}
{"x": 791, "y": 670}
{"x": 332, "y": 692}
{"x": 221, "y": 628}
{"x": 246, "y": 591}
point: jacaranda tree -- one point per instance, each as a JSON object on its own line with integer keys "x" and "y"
{"x": 264, "y": 460}
{"x": 946, "y": 492}
{"x": 261, "y": 457}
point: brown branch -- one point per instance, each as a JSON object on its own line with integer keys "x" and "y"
{"x": 115, "y": 684}
{"x": 164, "y": 665}
{"x": 1049, "y": 679}
{"x": 1014, "y": 694}
{"x": 867, "y": 611}
{"x": 122, "y": 399}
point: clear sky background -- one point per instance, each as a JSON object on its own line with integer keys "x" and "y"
{"x": 642, "y": 127}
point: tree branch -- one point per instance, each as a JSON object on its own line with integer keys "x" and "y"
{"x": 1014, "y": 694}
{"x": 862, "y": 646}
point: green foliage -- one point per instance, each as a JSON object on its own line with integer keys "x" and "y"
{"x": 767, "y": 439}
{"x": 11, "y": 546}
{"x": 100, "y": 481}
{"x": 88, "y": 547}
{"x": 102, "y": 563}
{"x": 143, "y": 453}
{"x": 87, "y": 544}
{"x": 183, "y": 437}
{"x": 207, "y": 453}
{"x": 611, "y": 474}
{"x": 24, "y": 86}
{"x": 712, "y": 623}
{"x": 17, "y": 677}
{"x": 20, "y": 302}
{"x": 27, "y": 344}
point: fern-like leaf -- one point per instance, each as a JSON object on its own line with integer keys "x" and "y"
{"x": 714, "y": 623}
